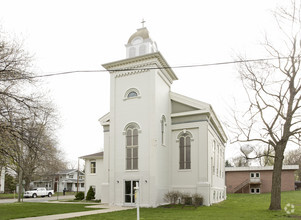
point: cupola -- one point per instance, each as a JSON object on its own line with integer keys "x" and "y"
{"x": 140, "y": 43}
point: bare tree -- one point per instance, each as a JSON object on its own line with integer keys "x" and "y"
{"x": 32, "y": 151}
{"x": 240, "y": 161}
{"x": 26, "y": 140}
{"x": 274, "y": 91}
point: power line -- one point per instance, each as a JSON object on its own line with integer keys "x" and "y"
{"x": 144, "y": 68}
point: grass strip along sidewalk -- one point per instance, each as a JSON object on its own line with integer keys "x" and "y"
{"x": 15, "y": 196}
{"x": 29, "y": 209}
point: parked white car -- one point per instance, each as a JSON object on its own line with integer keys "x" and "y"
{"x": 42, "y": 192}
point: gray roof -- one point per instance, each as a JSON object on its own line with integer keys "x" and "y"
{"x": 93, "y": 156}
{"x": 66, "y": 171}
{"x": 69, "y": 171}
{"x": 260, "y": 168}
{"x": 141, "y": 32}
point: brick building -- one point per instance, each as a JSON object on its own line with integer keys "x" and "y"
{"x": 258, "y": 179}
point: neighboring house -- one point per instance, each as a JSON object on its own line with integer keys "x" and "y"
{"x": 2, "y": 179}
{"x": 48, "y": 184}
{"x": 258, "y": 179}
{"x": 153, "y": 137}
{"x": 68, "y": 180}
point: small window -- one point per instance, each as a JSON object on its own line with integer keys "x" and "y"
{"x": 255, "y": 190}
{"x": 82, "y": 185}
{"x": 131, "y": 93}
{"x": 255, "y": 175}
{"x": 93, "y": 167}
{"x": 163, "y": 130}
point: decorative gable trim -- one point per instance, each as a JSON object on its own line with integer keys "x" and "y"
{"x": 129, "y": 66}
{"x": 204, "y": 108}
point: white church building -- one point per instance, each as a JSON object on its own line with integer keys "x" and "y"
{"x": 160, "y": 139}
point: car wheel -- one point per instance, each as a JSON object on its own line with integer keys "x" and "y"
{"x": 34, "y": 195}
{"x": 49, "y": 194}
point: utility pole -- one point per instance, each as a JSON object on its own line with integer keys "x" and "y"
{"x": 77, "y": 173}
{"x": 20, "y": 189}
{"x": 20, "y": 183}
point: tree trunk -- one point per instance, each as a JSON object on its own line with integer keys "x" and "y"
{"x": 276, "y": 181}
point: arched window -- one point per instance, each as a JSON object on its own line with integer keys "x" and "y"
{"x": 131, "y": 132}
{"x": 163, "y": 130}
{"x": 185, "y": 139}
{"x": 132, "y": 52}
{"x": 131, "y": 93}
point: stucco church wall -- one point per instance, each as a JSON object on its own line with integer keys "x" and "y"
{"x": 185, "y": 180}
{"x": 132, "y": 110}
{"x": 106, "y": 160}
{"x": 126, "y": 111}
{"x": 217, "y": 191}
{"x": 147, "y": 113}
{"x": 161, "y": 166}
{"x": 94, "y": 179}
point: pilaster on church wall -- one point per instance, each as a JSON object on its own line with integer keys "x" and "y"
{"x": 203, "y": 174}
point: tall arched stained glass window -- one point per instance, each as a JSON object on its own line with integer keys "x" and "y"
{"x": 185, "y": 150}
{"x": 132, "y": 147}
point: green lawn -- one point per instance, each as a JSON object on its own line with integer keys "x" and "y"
{"x": 28, "y": 209}
{"x": 237, "y": 206}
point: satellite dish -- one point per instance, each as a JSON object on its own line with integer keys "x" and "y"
{"x": 246, "y": 149}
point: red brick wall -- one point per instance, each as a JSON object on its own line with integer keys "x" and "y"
{"x": 235, "y": 178}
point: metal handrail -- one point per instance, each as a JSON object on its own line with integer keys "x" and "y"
{"x": 244, "y": 183}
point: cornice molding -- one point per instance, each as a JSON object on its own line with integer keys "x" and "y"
{"x": 152, "y": 60}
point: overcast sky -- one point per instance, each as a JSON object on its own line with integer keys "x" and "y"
{"x": 81, "y": 35}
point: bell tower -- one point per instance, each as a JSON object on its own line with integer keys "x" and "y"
{"x": 140, "y": 43}
{"x": 139, "y": 100}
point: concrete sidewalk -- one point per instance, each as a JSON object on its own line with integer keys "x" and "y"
{"x": 106, "y": 208}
